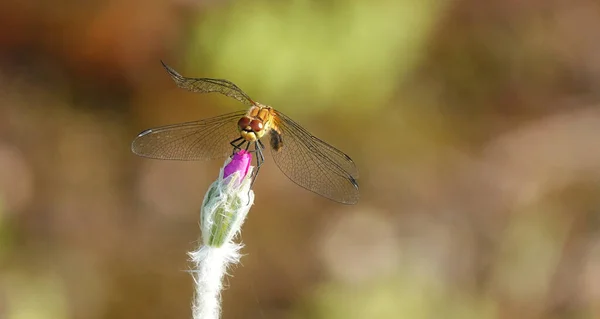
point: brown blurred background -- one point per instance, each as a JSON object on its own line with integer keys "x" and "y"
{"x": 474, "y": 124}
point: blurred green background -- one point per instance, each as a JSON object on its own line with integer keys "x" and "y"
{"x": 474, "y": 124}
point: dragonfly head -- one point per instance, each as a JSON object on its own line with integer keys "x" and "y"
{"x": 251, "y": 129}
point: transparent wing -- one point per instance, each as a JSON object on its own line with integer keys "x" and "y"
{"x": 206, "y": 85}
{"x": 314, "y": 164}
{"x": 199, "y": 140}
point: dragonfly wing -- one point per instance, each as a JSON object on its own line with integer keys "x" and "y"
{"x": 314, "y": 164}
{"x": 199, "y": 140}
{"x": 206, "y": 85}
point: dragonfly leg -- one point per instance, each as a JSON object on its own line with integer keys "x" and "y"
{"x": 237, "y": 146}
{"x": 260, "y": 159}
{"x": 259, "y": 146}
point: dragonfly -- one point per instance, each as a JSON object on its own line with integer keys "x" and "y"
{"x": 305, "y": 159}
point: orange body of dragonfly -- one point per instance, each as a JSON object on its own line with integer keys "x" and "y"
{"x": 303, "y": 158}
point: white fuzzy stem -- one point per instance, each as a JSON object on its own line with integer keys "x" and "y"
{"x": 210, "y": 267}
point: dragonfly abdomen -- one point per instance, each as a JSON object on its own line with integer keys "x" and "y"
{"x": 276, "y": 141}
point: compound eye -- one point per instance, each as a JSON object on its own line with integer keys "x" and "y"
{"x": 256, "y": 125}
{"x": 243, "y": 123}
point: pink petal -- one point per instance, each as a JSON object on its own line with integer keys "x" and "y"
{"x": 240, "y": 162}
